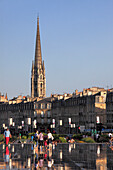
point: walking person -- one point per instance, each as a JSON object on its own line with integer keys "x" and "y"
{"x": 41, "y": 138}
{"x": 7, "y": 136}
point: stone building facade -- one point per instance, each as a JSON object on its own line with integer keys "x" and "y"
{"x": 109, "y": 110}
{"x": 16, "y": 116}
{"x": 38, "y": 79}
{"x": 26, "y": 115}
{"x": 42, "y": 110}
{"x": 79, "y": 112}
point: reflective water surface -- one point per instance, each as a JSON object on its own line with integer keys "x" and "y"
{"x": 60, "y": 156}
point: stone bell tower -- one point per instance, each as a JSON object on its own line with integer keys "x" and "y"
{"x": 38, "y": 79}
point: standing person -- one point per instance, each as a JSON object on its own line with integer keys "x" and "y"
{"x": 32, "y": 138}
{"x": 97, "y": 137}
{"x": 19, "y": 136}
{"x": 41, "y": 138}
{"x": 7, "y": 136}
{"x": 36, "y": 138}
{"x": 49, "y": 138}
{"x": 110, "y": 135}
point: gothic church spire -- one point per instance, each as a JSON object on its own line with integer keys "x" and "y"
{"x": 38, "y": 79}
{"x": 38, "y": 55}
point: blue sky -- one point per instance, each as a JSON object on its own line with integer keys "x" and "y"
{"x": 76, "y": 41}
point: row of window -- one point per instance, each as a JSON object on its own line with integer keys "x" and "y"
{"x": 42, "y": 113}
{"x": 42, "y": 106}
{"x": 109, "y": 121}
{"x": 71, "y": 102}
{"x": 43, "y": 121}
{"x": 23, "y": 106}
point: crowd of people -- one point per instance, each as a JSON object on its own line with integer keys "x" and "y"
{"x": 42, "y": 147}
{"x": 43, "y": 142}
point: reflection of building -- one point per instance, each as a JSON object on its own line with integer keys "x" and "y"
{"x": 64, "y": 156}
{"x": 38, "y": 80}
{"x": 101, "y": 160}
{"x": 82, "y": 109}
{"x": 81, "y": 157}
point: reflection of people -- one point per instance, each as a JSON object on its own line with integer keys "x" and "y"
{"x": 6, "y": 155}
{"x": 36, "y": 161}
{"x": 7, "y": 136}
{"x": 50, "y": 162}
{"x": 41, "y": 161}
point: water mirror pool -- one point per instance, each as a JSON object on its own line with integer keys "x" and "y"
{"x": 60, "y": 156}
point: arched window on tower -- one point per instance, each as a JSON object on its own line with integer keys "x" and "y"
{"x": 41, "y": 85}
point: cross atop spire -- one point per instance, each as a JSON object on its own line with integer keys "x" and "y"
{"x": 38, "y": 55}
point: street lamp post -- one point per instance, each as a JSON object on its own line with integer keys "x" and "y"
{"x": 53, "y": 124}
{"x": 69, "y": 124}
{"x": 60, "y": 124}
{"x": 13, "y": 124}
{"x": 29, "y": 124}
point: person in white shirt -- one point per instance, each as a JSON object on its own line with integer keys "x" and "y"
{"x": 41, "y": 138}
{"x": 110, "y": 135}
{"x": 50, "y": 138}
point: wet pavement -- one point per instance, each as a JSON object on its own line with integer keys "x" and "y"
{"x": 59, "y": 157}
